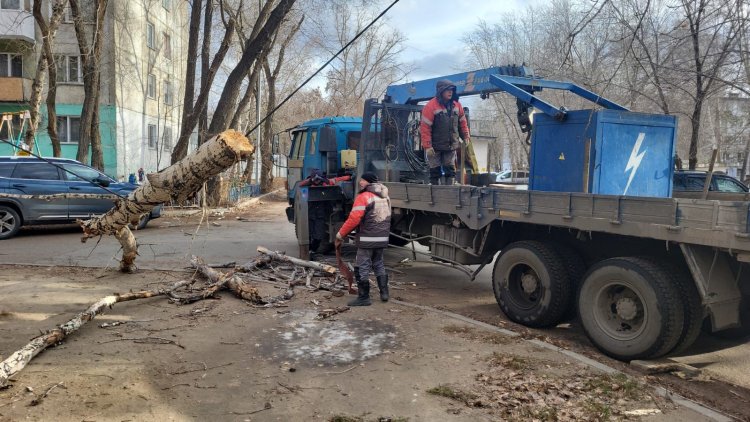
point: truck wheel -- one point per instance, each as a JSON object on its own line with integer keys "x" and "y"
{"x": 531, "y": 284}
{"x": 10, "y": 222}
{"x": 576, "y": 268}
{"x": 630, "y": 309}
{"x": 691, "y": 306}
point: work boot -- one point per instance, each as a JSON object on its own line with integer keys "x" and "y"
{"x": 383, "y": 287}
{"x": 363, "y": 294}
{"x": 450, "y": 181}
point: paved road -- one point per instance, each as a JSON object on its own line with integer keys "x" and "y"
{"x": 168, "y": 243}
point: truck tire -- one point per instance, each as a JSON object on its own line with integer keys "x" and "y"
{"x": 576, "y": 268}
{"x": 10, "y": 222}
{"x": 630, "y": 308}
{"x": 691, "y": 306}
{"x": 531, "y": 284}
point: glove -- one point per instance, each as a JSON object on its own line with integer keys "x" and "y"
{"x": 430, "y": 152}
{"x": 467, "y": 140}
{"x": 339, "y": 241}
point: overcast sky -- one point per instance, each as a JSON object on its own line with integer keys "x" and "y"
{"x": 434, "y": 29}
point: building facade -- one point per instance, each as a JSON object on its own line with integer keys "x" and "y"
{"x": 142, "y": 79}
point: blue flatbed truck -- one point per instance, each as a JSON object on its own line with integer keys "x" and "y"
{"x": 598, "y": 234}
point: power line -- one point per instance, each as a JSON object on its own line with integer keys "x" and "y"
{"x": 320, "y": 69}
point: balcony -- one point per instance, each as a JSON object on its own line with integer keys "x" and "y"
{"x": 15, "y": 89}
{"x": 17, "y": 25}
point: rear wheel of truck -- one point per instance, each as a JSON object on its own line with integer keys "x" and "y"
{"x": 531, "y": 284}
{"x": 576, "y": 268}
{"x": 630, "y": 309}
{"x": 691, "y": 306}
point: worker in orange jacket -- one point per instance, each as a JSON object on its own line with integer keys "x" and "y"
{"x": 442, "y": 126}
{"x": 371, "y": 216}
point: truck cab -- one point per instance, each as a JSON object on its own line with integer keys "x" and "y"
{"x": 328, "y": 144}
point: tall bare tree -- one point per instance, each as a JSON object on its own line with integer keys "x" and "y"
{"x": 90, "y": 46}
{"x": 45, "y": 68}
{"x": 272, "y": 76}
{"x": 369, "y": 65}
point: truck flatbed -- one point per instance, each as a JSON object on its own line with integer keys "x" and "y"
{"x": 721, "y": 224}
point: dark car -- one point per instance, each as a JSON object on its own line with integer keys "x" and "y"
{"x": 694, "y": 181}
{"x": 32, "y": 176}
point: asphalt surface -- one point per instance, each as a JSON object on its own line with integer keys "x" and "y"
{"x": 170, "y": 241}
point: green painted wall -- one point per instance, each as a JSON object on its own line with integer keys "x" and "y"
{"x": 107, "y": 128}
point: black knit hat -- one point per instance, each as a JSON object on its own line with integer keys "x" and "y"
{"x": 370, "y": 177}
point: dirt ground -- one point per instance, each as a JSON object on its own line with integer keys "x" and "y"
{"x": 222, "y": 359}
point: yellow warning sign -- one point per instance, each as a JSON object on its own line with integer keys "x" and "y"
{"x": 562, "y": 156}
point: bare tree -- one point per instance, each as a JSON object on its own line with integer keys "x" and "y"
{"x": 368, "y": 66}
{"x": 272, "y": 75}
{"x": 194, "y": 109}
{"x": 45, "y": 67}
{"x": 711, "y": 33}
{"x": 91, "y": 52}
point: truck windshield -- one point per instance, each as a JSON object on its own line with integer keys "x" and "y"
{"x": 298, "y": 145}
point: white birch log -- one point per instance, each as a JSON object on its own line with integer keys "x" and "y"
{"x": 19, "y": 359}
{"x": 177, "y": 182}
{"x": 296, "y": 261}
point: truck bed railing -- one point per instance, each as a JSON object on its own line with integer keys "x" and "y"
{"x": 694, "y": 221}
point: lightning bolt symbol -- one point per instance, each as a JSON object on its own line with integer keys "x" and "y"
{"x": 635, "y": 160}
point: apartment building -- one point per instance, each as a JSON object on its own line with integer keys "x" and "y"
{"x": 142, "y": 83}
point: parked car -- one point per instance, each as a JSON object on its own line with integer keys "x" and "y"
{"x": 32, "y": 176}
{"x": 513, "y": 176}
{"x": 694, "y": 181}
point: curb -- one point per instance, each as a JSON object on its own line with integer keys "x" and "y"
{"x": 661, "y": 391}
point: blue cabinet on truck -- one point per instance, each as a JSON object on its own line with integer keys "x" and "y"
{"x": 608, "y": 152}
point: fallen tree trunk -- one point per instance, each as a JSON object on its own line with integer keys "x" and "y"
{"x": 177, "y": 183}
{"x": 296, "y": 261}
{"x": 18, "y": 360}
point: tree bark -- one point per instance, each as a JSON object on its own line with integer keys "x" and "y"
{"x": 48, "y": 32}
{"x": 91, "y": 58}
{"x": 18, "y": 360}
{"x": 177, "y": 183}
{"x": 296, "y": 261}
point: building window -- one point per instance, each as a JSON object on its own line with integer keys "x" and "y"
{"x": 166, "y": 138}
{"x": 167, "y": 93}
{"x": 150, "y": 34}
{"x": 152, "y": 136}
{"x": 167, "y": 46}
{"x": 69, "y": 129}
{"x": 69, "y": 69}
{"x": 167, "y": 4}
{"x": 11, "y": 65}
{"x": 151, "y": 88}
{"x": 10, "y": 4}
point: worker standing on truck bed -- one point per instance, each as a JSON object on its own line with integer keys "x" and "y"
{"x": 443, "y": 122}
{"x": 371, "y": 214}
{"x": 318, "y": 212}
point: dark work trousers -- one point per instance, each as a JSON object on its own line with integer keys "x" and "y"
{"x": 443, "y": 164}
{"x": 370, "y": 260}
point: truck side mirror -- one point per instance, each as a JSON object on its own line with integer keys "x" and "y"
{"x": 328, "y": 139}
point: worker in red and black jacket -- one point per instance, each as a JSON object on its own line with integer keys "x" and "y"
{"x": 371, "y": 216}
{"x": 318, "y": 212}
{"x": 443, "y": 123}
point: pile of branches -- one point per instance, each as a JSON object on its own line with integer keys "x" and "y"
{"x": 268, "y": 267}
